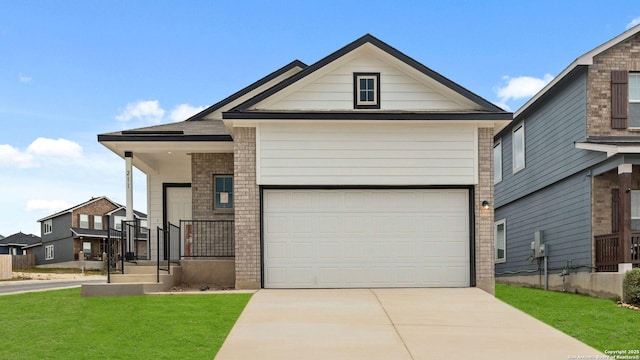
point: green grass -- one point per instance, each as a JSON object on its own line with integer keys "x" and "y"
{"x": 62, "y": 325}
{"x": 598, "y": 323}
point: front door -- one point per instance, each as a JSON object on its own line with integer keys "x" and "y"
{"x": 178, "y": 205}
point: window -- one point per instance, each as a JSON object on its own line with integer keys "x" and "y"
{"x": 635, "y": 210}
{"x": 47, "y": 226}
{"x": 117, "y": 222}
{"x": 634, "y": 100}
{"x": 48, "y": 252}
{"x": 223, "y": 192}
{"x": 518, "y": 148}
{"x": 366, "y": 90}
{"x": 97, "y": 222}
{"x": 500, "y": 238}
{"x": 84, "y": 221}
{"x": 497, "y": 162}
{"x": 86, "y": 247}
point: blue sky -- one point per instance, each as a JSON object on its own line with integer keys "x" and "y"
{"x": 70, "y": 70}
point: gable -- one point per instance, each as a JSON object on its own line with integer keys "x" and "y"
{"x": 402, "y": 87}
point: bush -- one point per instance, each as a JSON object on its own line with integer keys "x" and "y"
{"x": 631, "y": 286}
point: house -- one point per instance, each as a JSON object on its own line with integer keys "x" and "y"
{"x": 84, "y": 228}
{"x": 566, "y": 176}
{"x": 364, "y": 169}
{"x": 15, "y": 244}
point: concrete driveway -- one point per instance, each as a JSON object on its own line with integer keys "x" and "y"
{"x": 392, "y": 324}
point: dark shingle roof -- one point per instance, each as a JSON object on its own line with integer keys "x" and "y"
{"x": 20, "y": 239}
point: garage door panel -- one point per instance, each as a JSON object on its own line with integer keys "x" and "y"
{"x": 366, "y": 238}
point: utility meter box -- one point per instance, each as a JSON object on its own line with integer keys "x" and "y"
{"x": 537, "y": 247}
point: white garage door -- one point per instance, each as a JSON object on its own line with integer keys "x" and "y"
{"x": 366, "y": 238}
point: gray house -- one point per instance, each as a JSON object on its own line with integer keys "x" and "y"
{"x": 82, "y": 229}
{"x": 15, "y": 244}
{"x": 566, "y": 175}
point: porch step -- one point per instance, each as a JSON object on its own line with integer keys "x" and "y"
{"x": 144, "y": 269}
{"x": 135, "y": 284}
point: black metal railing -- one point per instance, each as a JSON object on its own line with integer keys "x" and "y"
{"x": 207, "y": 238}
{"x": 135, "y": 241}
{"x": 113, "y": 239}
{"x": 168, "y": 248}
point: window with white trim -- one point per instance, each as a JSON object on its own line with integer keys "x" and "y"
{"x": 47, "y": 226}
{"x": 86, "y": 247}
{"x": 84, "y": 221}
{"x": 518, "y": 147}
{"x": 97, "y": 222}
{"x": 497, "y": 162}
{"x": 366, "y": 90}
{"x": 634, "y": 100}
{"x": 48, "y": 252}
{"x": 117, "y": 222}
{"x": 500, "y": 239}
{"x": 635, "y": 210}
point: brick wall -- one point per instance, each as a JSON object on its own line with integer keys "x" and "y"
{"x": 484, "y": 218}
{"x": 203, "y": 169}
{"x": 624, "y": 56}
{"x": 99, "y": 207}
{"x": 247, "y": 209}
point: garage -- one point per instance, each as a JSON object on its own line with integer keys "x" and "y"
{"x": 359, "y": 238}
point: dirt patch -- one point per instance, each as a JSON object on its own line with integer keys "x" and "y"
{"x": 25, "y": 275}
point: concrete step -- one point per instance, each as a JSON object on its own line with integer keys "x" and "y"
{"x": 144, "y": 269}
{"x": 135, "y": 284}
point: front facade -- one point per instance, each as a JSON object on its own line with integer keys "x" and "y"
{"x": 81, "y": 232}
{"x": 365, "y": 169}
{"x": 567, "y": 177}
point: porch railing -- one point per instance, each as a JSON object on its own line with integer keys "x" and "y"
{"x": 113, "y": 240}
{"x": 167, "y": 245}
{"x": 608, "y": 252}
{"x": 207, "y": 238}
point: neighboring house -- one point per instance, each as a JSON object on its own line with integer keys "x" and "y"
{"x": 566, "y": 169}
{"x": 17, "y": 243}
{"x": 83, "y": 228}
{"x": 365, "y": 169}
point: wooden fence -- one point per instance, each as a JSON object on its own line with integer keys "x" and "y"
{"x": 23, "y": 261}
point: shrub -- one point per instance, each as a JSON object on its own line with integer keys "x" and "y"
{"x": 631, "y": 286}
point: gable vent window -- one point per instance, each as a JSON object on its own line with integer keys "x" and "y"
{"x": 366, "y": 90}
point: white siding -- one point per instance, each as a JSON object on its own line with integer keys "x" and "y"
{"x": 362, "y": 154}
{"x": 168, "y": 172}
{"x": 400, "y": 90}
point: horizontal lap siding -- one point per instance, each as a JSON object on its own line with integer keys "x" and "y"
{"x": 358, "y": 154}
{"x": 563, "y": 212}
{"x": 334, "y": 91}
{"x": 550, "y": 153}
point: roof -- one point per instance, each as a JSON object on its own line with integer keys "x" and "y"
{"x": 20, "y": 239}
{"x": 367, "y": 38}
{"x": 611, "y": 145}
{"x": 71, "y": 209}
{"x": 136, "y": 213}
{"x": 585, "y": 59}
{"x": 98, "y": 233}
{"x": 196, "y": 128}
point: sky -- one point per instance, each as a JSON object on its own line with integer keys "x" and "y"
{"x": 70, "y": 70}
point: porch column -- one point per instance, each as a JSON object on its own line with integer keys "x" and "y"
{"x": 128, "y": 157}
{"x": 624, "y": 180}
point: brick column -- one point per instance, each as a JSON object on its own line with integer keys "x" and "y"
{"x": 247, "y": 209}
{"x": 484, "y": 217}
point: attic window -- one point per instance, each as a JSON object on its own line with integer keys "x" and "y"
{"x": 366, "y": 90}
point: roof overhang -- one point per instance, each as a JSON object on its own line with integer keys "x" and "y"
{"x": 610, "y": 149}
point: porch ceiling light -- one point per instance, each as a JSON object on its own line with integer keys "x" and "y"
{"x": 485, "y": 204}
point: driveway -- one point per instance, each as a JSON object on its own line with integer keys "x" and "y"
{"x": 392, "y": 324}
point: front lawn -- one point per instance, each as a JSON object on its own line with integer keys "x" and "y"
{"x": 596, "y": 322}
{"x": 63, "y": 325}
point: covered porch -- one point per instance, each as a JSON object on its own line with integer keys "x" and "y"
{"x": 615, "y": 203}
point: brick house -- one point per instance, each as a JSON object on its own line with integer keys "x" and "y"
{"x": 82, "y": 229}
{"x": 567, "y": 170}
{"x": 364, "y": 169}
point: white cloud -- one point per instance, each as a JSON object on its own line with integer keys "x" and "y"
{"x": 10, "y": 156}
{"x": 147, "y": 111}
{"x": 24, "y": 78}
{"x": 50, "y": 206}
{"x": 633, "y": 23}
{"x": 520, "y": 87}
{"x": 184, "y": 111}
{"x": 55, "y": 148}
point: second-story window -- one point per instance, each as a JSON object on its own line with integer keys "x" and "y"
{"x": 497, "y": 162}
{"x": 84, "y": 221}
{"x": 47, "y": 226}
{"x": 518, "y": 147}
{"x": 366, "y": 90}
{"x": 634, "y": 100}
{"x": 97, "y": 222}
